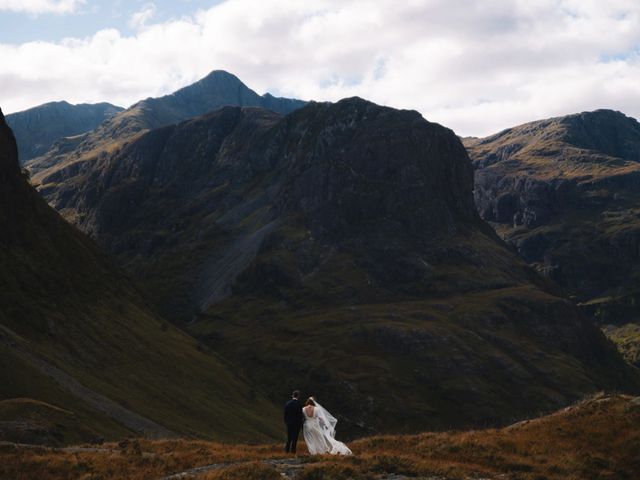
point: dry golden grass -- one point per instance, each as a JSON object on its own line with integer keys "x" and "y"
{"x": 134, "y": 459}
{"x": 596, "y": 439}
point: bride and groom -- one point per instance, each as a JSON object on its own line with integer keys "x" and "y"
{"x": 317, "y": 424}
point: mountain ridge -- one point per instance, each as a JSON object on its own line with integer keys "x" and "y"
{"x": 38, "y": 128}
{"x": 214, "y": 91}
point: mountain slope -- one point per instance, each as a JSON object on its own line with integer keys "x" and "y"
{"x": 36, "y": 129}
{"x": 216, "y": 90}
{"x": 564, "y": 192}
{"x": 337, "y": 249}
{"x": 75, "y": 333}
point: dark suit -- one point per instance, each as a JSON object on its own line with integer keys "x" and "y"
{"x": 293, "y": 418}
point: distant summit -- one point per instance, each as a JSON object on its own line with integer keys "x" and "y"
{"x": 37, "y": 128}
{"x": 601, "y": 132}
{"x": 608, "y": 132}
{"x": 216, "y": 90}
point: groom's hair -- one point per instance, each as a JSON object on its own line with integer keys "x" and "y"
{"x": 295, "y": 394}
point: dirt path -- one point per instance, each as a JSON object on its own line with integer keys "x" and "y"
{"x": 287, "y": 467}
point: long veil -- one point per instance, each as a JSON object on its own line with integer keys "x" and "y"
{"x": 328, "y": 424}
{"x": 327, "y": 421}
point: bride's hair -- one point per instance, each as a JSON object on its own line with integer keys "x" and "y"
{"x": 310, "y": 402}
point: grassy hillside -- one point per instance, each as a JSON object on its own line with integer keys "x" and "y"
{"x": 76, "y": 334}
{"x": 596, "y": 438}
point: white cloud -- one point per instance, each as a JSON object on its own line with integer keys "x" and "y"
{"x": 140, "y": 18}
{"x": 475, "y": 66}
{"x": 40, "y": 6}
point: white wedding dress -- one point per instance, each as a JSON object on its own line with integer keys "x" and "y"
{"x": 319, "y": 432}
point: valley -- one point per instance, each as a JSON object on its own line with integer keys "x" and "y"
{"x": 338, "y": 245}
{"x": 76, "y": 334}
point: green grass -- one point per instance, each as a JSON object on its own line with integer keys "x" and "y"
{"x": 627, "y": 339}
{"x": 20, "y": 379}
{"x": 454, "y": 361}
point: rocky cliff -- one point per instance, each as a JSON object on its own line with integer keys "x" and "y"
{"x": 564, "y": 192}
{"x": 337, "y": 249}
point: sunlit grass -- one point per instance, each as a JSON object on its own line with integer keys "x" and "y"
{"x": 597, "y": 438}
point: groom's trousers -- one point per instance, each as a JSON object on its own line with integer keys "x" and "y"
{"x": 293, "y": 431}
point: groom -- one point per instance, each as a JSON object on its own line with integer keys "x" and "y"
{"x": 294, "y": 419}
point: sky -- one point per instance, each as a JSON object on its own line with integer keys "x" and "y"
{"x": 476, "y": 66}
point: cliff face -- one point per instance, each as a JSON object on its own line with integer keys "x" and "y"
{"x": 337, "y": 249}
{"x": 564, "y": 192}
{"x": 355, "y": 165}
{"x": 75, "y": 333}
{"x": 346, "y": 172}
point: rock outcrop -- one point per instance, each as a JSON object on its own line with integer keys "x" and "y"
{"x": 9, "y": 167}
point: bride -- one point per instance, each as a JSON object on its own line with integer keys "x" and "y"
{"x": 320, "y": 430}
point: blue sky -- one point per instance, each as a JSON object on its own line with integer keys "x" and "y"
{"x": 476, "y": 66}
{"x": 20, "y": 27}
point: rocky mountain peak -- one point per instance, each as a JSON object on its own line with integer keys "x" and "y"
{"x": 220, "y": 77}
{"x": 361, "y": 163}
{"x": 216, "y": 90}
{"x": 605, "y": 131}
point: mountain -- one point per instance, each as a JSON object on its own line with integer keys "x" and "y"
{"x": 564, "y": 192}
{"x": 338, "y": 250}
{"x": 82, "y": 354}
{"x": 36, "y": 129}
{"x": 216, "y": 90}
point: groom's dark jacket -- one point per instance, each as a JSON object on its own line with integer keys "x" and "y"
{"x": 293, "y": 412}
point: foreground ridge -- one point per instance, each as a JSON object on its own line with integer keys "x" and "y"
{"x": 596, "y": 437}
